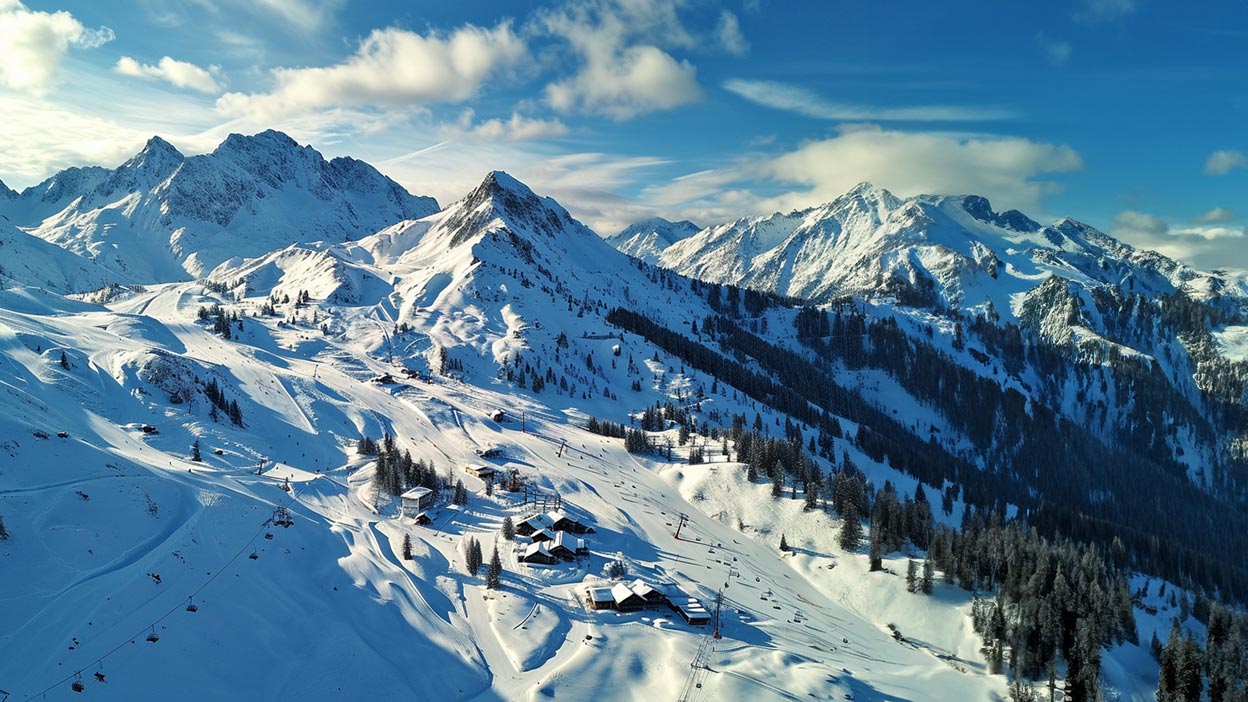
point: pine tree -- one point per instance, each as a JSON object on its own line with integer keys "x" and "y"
{"x": 64, "y": 361}
{"x": 195, "y": 452}
{"x": 851, "y": 529}
{"x": 784, "y": 545}
{"x": 4, "y": 533}
{"x": 929, "y": 573}
{"x": 912, "y": 575}
{"x": 472, "y": 555}
{"x": 494, "y": 574}
{"x": 509, "y": 529}
{"x": 407, "y": 547}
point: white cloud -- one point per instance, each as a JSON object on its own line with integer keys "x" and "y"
{"x": 32, "y": 44}
{"x": 1202, "y": 246}
{"x": 180, "y": 74}
{"x": 1105, "y": 10}
{"x": 1008, "y": 170}
{"x": 1218, "y": 215}
{"x": 728, "y": 33}
{"x": 1223, "y": 162}
{"x": 1056, "y": 51}
{"x": 392, "y": 68}
{"x": 41, "y": 138}
{"x": 791, "y": 98}
{"x": 520, "y": 128}
{"x": 625, "y": 69}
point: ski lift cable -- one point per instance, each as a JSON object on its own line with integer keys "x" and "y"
{"x": 99, "y": 660}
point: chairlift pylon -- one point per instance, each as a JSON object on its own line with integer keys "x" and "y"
{"x": 282, "y": 517}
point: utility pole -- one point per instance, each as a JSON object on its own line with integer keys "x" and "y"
{"x": 561, "y": 445}
{"x": 683, "y": 520}
{"x": 719, "y": 600}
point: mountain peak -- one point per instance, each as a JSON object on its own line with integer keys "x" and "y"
{"x": 157, "y": 156}
{"x": 978, "y": 207}
{"x": 6, "y": 192}
{"x": 501, "y": 181}
{"x": 158, "y": 145}
{"x": 270, "y": 140}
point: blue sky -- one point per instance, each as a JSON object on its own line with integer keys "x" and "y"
{"x": 1128, "y": 114}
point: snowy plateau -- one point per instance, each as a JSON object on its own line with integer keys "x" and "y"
{"x": 221, "y": 373}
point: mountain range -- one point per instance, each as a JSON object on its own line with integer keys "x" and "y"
{"x": 188, "y": 338}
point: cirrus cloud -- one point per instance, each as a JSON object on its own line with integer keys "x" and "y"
{"x": 791, "y": 98}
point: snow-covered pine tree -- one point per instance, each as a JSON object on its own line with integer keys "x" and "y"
{"x": 494, "y": 574}
{"x": 508, "y": 529}
{"x": 407, "y": 547}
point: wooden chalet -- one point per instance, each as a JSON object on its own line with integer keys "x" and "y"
{"x": 538, "y": 553}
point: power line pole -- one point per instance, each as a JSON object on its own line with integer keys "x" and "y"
{"x": 719, "y": 600}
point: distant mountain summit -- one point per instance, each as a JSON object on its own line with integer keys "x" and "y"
{"x": 163, "y": 216}
{"x": 935, "y": 251}
{"x": 650, "y": 237}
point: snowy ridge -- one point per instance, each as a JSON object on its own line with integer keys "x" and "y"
{"x": 649, "y": 237}
{"x": 161, "y": 216}
{"x": 941, "y": 251}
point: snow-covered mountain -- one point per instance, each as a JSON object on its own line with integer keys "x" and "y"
{"x": 650, "y": 237}
{"x": 29, "y": 260}
{"x": 931, "y": 251}
{"x": 162, "y": 216}
{"x": 289, "y": 351}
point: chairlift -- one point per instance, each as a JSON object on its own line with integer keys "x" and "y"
{"x": 99, "y": 674}
{"x": 254, "y": 556}
{"x": 191, "y": 606}
{"x": 282, "y": 517}
{"x": 77, "y": 685}
{"x": 268, "y": 535}
{"x": 152, "y": 637}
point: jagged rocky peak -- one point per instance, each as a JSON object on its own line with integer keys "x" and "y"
{"x": 979, "y": 208}
{"x": 502, "y": 197}
{"x": 152, "y": 165}
{"x": 6, "y": 193}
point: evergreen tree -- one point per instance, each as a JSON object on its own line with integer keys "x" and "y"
{"x": 784, "y": 545}
{"x": 64, "y": 361}
{"x": 4, "y": 532}
{"x": 195, "y": 452}
{"x": 472, "y": 555}
{"x": 509, "y": 529}
{"x": 929, "y": 573}
{"x": 407, "y": 547}
{"x": 851, "y": 529}
{"x": 494, "y": 574}
{"x": 912, "y": 575}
